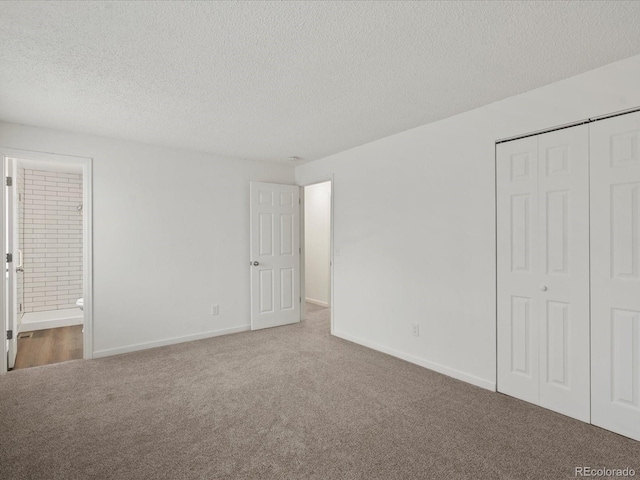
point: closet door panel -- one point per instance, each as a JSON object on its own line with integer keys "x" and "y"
{"x": 517, "y": 213}
{"x": 615, "y": 274}
{"x": 563, "y": 187}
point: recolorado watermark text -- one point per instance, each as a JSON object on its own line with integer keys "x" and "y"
{"x": 584, "y": 471}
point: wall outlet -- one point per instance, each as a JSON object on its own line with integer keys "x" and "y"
{"x": 416, "y": 329}
{"x": 215, "y": 309}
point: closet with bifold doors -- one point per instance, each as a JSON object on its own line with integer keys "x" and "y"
{"x": 568, "y": 265}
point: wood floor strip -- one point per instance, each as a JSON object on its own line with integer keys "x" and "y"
{"x": 53, "y": 345}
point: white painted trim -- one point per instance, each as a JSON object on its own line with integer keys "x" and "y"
{"x": 3, "y": 282}
{"x": 16, "y": 241}
{"x": 436, "y": 367}
{"x": 332, "y": 304}
{"x": 48, "y": 157}
{"x": 51, "y": 166}
{"x": 316, "y": 302}
{"x": 11, "y": 238}
{"x": 303, "y": 266}
{"x": 87, "y": 260}
{"x": 86, "y": 164}
{"x": 169, "y": 341}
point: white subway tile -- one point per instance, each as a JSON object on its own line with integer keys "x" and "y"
{"x": 45, "y": 289}
{"x": 44, "y": 270}
{"x": 57, "y": 188}
{"x": 46, "y": 183}
{"x": 66, "y": 297}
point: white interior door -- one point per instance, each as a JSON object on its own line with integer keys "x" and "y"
{"x": 615, "y": 274}
{"x": 518, "y": 282}
{"x": 275, "y": 255}
{"x": 543, "y": 270}
{"x": 563, "y": 302}
{"x": 10, "y": 298}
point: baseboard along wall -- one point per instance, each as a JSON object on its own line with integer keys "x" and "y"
{"x": 169, "y": 341}
{"x": 436, "y": 367}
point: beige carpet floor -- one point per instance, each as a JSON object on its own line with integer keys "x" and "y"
{"x": 283, "y": 403}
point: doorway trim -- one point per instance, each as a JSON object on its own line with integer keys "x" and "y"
{"x": 87, "y": 241}
{"x": 321, "y": 179}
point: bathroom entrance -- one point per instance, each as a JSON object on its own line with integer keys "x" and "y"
{"x": 44, "y": 224}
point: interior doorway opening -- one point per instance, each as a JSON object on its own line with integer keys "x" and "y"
{"x": 317, "y": 230}
{"x": 47, "y": 242}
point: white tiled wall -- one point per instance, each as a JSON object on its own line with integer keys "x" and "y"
{"x": 52, "y": 240}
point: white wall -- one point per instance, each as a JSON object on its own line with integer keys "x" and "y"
{"x": 414, "y": 221}
{"x": 317, "y": 242}
{"x": 170, "y": 237}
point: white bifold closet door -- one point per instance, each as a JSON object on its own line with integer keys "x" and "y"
{"x": 543, "y": 270}
{"x": 615, "y": 274}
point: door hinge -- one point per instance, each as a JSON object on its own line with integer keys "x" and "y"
{"x": 9, "y": 334}
{"x": 9, "y": 257}
{"x": 300, "y": 250}
{"x": 9, "y": 181}
{"x": 300, "y": 299}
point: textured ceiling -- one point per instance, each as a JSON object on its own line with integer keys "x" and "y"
{"x": 270, "y": 80}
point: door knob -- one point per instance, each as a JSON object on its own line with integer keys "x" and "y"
{"x": 255, "y": 264}
{"x": 543, "y": 288}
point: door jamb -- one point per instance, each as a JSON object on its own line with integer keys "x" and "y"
{"x": 87, "y": 242}
{"x": 495, "y": 241}
{"x": 315, "y": 181}
{"x": 10, "y": 168}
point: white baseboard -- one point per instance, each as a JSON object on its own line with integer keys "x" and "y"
{"x": 168, "y": 341}
{"x": 316, "y": 302}
{"x": 67, "y": 317}
{"x": 450, "y": 372}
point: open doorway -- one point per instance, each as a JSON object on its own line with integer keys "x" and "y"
{"x": 317, "y": 268}
{"x": 46, "y": 238}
